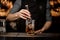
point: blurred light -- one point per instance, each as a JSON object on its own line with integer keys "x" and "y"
{"x": 8, "y": 4}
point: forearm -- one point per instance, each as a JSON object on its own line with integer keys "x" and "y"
{"x": 12, "y": 17}
{"x": 46, "y": 25}
{"x": 23, "y": 13}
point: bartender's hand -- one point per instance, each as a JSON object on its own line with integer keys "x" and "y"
{"x": 39, "y": 31}
{"x": 24, "y": 14}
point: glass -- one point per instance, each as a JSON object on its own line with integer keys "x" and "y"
{"x": 2, "y": 26}
{"x": 30, "y": 26}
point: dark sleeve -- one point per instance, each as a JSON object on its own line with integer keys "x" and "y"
{"x": 48, "y": 14}
{"x": 16, "y": 6}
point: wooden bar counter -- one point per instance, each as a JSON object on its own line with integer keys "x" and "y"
{"x": 14, "y": 34}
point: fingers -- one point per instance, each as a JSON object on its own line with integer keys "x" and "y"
{"x": 24, "y": 14}
{"x": 23, "y": 17}
{"x": 38, "y": 32}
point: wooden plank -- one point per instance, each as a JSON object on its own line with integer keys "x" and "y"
{"x": 25, "y": 35}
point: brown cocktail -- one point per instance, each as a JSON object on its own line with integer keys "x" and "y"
{"x": 30, "y": 27}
